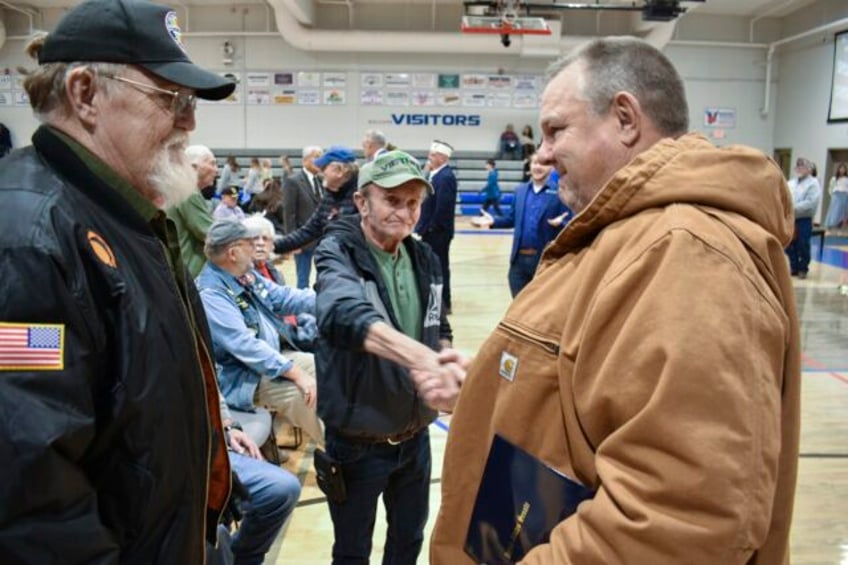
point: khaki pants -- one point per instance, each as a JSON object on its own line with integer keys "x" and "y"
{"x": 282, "y": 396}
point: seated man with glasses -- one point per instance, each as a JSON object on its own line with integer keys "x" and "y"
{"x": 262, "y": 248}
{"x": 245, "y": 312}
{"x": 111, "y": 431}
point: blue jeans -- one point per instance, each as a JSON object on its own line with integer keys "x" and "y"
{"x": 303, "y": 265}
{"x": 273, "y": 494}
{"x": 799, "y": 248}
{"x": 521, "y": 271}
{"x": 402, "y": 474}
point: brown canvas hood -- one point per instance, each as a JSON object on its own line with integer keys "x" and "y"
{"x": 689, "y": 170}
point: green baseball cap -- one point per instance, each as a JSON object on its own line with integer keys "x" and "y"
{"x": 391, "y": 169}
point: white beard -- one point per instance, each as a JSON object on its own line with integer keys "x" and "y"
{"x": 173, "y": 179}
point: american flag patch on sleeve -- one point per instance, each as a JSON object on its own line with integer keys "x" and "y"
{"x": 32, "y": 347}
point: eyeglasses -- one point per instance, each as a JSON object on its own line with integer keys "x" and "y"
{"x": 242, "y": 243}
{"x": 180, "y": 101}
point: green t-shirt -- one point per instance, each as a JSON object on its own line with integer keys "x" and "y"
{"x": 403, "y": 288}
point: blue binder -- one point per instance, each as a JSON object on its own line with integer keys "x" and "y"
{"x": 520, "y": 501}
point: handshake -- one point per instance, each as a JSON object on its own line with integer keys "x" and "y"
{"x": 484, "y": 220}
{"x": 438, "y": 378}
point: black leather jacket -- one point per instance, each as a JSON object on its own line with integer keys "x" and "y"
{"x": 114, "y": 456}
{"x": 361, "y": 394}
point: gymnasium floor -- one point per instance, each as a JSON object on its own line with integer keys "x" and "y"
{"x": 479, "y": 264}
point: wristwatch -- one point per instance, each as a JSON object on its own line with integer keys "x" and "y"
{"x": 233, "y": 426}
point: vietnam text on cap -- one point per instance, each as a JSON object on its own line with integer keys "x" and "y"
{"x": 132, "y": 32}
{"x": 392, "y": 169}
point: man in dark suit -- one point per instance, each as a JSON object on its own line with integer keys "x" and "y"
{"x": 537, "y": 214}
{"x": 301, "y": 193}
{"x": 373, "y": 144}
{"x": 436, "y": 225}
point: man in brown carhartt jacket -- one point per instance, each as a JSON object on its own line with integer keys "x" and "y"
{"x": 656, "y": 353}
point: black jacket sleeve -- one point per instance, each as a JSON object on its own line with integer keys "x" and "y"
{"x": 344, "y": 311}
{"x": 308, "y": 232}
{"x": 48, "y": 506}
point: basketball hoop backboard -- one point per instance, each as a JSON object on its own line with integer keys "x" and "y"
{"x": 505, "y": 25}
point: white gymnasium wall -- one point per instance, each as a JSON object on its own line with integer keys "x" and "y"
{"x": 294, "y": 126}
{"x": 804, "y": 68}
{"x": 803, "y": 97}
{"x": 715, "y": 77}
{"x": 727, "y": 78}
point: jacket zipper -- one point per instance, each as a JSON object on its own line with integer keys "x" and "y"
{"x": 209, "y": 440}
{"x": 209, "y": 448}
{"x": 525, "y": 334}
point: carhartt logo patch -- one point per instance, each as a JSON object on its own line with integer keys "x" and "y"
{"x": 508, "y": 366}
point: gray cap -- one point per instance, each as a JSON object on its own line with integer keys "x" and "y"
{"x": 227, "y": 231}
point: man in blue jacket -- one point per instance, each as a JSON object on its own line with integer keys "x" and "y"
{"x": 380, "y": 313}
{"x": 436, "y": 225}
{"x": 537, "y": 216}
{"x": 245, "y": 312}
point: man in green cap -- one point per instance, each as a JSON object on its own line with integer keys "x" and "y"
{"x": 381, "y": 362}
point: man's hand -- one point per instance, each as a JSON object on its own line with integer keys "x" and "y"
{"x": 557, "y": 222}
{"x": 440, "y": 387}
{"x": 241, "y": 443}
{"x": 305, "y": 383}
{"x": 436, "y": 376}
{"x": 484, "y": 221}
{"x": 450, "y": 355}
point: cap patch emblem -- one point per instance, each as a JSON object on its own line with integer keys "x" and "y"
{"x": 173, "y": 27}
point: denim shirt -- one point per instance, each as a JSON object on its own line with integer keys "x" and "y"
{"x": 245, "y": 341}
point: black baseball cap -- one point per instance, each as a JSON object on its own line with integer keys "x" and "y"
{"x": 131, "y": 32}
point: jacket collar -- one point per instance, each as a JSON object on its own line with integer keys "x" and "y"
{"x": 68, "y": 163}
{"x": 686, "y": 170}
{"x": 227, "y": 279}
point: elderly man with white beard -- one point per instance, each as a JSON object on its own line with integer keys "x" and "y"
{"x": 111, "y": 435}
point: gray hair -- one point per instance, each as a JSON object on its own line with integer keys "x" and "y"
{"x": 259, "y": 222}
{"x": 45, "y": 86}
{"x": 196, "y": 153}
{"x": 616, "y": 64}
{"x": 376, "y": 137}
{"x": 311, "y": 149}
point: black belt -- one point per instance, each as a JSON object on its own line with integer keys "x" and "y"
{"x": 393, "y": 439}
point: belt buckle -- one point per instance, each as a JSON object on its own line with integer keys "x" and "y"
{"x": 400, "y": 438}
